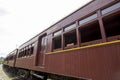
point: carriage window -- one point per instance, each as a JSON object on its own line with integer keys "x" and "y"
{"x": 20, "y": 53}
{"x": 90, "y": 32}
{"x": 112, "y": 25}
{"x": 88, "y": 19}
{"x": 70, "y": 27}
{"x": 111, "y": 8}
{"x": 27, "y": 51}
{"x": 23, "y": 53}
{"x": 32, "y": 49}
{"x": 10, "y": 57}
{"x": 70, "y": 39}
{"x": 57, "y": 33}
{"x": 57, "y": 42}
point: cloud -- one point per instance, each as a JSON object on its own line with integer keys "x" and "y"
{"x": 2, "y": 55}
{"x": 20, "y": 20}
{"x": 2, "y": 12}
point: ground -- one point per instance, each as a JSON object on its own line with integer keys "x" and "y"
{"x": 3, "y": 76}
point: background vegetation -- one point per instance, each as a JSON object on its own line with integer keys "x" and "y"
{"x": 1, "y": 60}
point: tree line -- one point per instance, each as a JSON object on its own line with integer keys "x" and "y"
{"x": 1, "y": 60}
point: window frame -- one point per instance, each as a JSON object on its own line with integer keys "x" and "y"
{"x": 71, "y": 45}
{"x": 93, "y": 41}
{"x": 106, "y": 17}
{"x": 56, "y": 49}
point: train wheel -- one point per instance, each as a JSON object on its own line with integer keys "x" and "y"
{"x": 23, "y": 74}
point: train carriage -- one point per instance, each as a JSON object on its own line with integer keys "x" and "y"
{"x": 11, "y": 58}
{"x": 85, "y": 45}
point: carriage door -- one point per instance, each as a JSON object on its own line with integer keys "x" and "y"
{"x": 42, "y": 49}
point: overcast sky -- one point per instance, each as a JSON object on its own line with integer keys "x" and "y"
{"x": 20, "y": 20}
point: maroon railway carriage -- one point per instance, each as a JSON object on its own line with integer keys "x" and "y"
{"x": 84, "y": 45}
{"x": 11, "y": 58}
{"x": 9, "y": 62}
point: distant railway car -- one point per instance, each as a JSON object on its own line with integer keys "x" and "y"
{"x": 26, "y": 56}
{"x": 11, "y": 58}
{"x": 9, "y": 62}
{"x": 85, "y": 45}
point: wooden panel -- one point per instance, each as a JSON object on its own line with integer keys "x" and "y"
{"x": 97, "y": 63}
{"x": 26, "y": 63}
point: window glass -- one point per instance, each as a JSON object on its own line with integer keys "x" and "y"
{"x": 70, "y": 39}
{"x": 43, "y": 43}
{"x": 88, "y": 19}
{"x": 111, "y": 8}
{"x": 57, "y": 33}
{"x": 70, "y": 27}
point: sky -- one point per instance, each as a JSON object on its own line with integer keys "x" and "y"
{"x": 20, "y": 20}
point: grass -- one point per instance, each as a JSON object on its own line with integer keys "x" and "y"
{"x": 3, "y": 76}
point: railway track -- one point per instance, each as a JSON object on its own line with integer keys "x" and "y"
{"x": 7, "y": 75}
{"x": 3, "y": 76}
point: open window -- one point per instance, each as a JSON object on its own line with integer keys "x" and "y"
{"x": 31, "y": 49}
{"x": 90, "y": 33}
{"x": 28, "y": 50}
{"x": 20, "y": 53}
{"x": 112, "y": 26}
{"x": 70, "y": 39}
{"x": 25, "y": 52}
{"x": 23, "y": 55}
{"x": 57, "y": 42}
